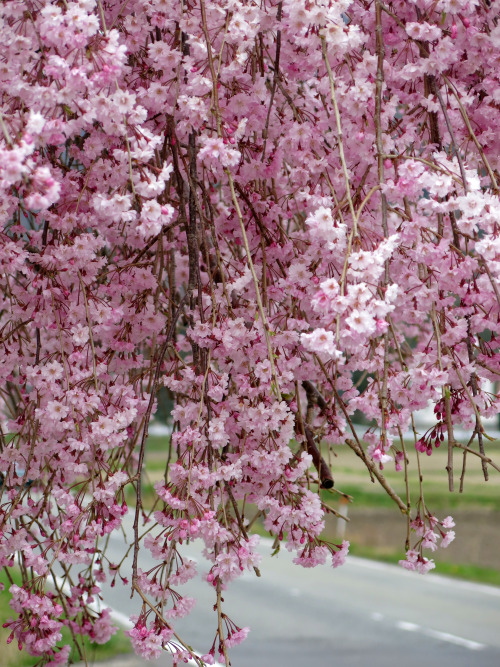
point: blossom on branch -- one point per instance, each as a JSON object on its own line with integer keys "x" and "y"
{"x": 267, "y": 222}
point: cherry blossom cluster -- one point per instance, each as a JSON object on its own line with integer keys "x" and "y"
{"x": 280, "y": 213}
{"x": 428, "y": 538}
{"x": 149, "y": 642}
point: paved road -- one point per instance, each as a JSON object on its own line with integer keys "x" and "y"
{"x": 364, "y": 614}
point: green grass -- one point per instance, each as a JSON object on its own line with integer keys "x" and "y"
{"x": 12, "y": 657}
{"x": 155, "y": 464}
{"x": 352, "y": 478}
{"x": 436, "y": 496}
{"x": 158, "y": 443}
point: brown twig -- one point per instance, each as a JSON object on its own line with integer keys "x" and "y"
{"x": 483, "y": 457}
{"x": 147, "y": 417}
{"x": 324, "y": 472}
{"x": 275, "y": 82}
{"x": 311, "y": 389}
{"x": 239, "y": 520}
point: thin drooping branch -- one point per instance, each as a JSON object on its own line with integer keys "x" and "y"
{"x": 145, "y": 431}
{"x": 276, "y": 77}
{"x": 358, "y": 450}
{"x": 483, "y": 457}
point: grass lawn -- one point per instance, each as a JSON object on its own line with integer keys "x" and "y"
{"x": 352, "y": 478}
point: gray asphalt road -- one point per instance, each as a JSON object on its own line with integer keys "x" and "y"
{"x": 364, "y": 614}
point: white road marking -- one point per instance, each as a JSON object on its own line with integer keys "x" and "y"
{"x": 453, "y": 639}
{"x": 410, "y": 627}
{"x": 443, "y": 636}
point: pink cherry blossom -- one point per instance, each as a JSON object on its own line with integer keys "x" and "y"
{"x": 256, "y": 221}
{"x": 321, "y": 341}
